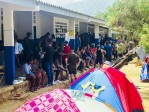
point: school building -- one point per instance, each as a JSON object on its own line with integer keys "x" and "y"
{"x": 38, "y": 18}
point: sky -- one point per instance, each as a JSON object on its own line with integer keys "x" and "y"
{"x": 88, "y": 7}
{"x": 61, "y": 2}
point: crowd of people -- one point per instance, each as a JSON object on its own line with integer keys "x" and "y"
{"x": 49, "y": 58}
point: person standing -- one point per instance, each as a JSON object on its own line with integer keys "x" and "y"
{"x": 48, "y": 61}
{"x": 99, "y": 57}
{"x": 16, "y": 49}
{"x": 72, "y": 62}
{"x": 65, "y": 53}
{"x": 27, "y": 46}
{"x": 42, "y": 41}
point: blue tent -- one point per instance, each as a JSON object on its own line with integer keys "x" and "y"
{"x": 99, "y": 79}
{"x": 144, "y": 73}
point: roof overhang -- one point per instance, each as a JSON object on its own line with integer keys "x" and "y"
{"x": 19, "y": 5}
{"x": 38, "y": 5}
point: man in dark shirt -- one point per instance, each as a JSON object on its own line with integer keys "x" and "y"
{"x": 48, "y": 61}
{"x": 27, "y": 46}
{"x": 72, "y": 61}
{"x": 42, "y": 41}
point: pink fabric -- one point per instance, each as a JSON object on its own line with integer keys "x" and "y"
{"x": 54, "y": 101}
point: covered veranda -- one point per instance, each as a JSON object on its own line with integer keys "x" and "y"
{"x": 39, "y": 18}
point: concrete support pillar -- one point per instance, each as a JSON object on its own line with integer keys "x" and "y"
{"x": 9, "y": 46}
{"x": 72, "y": 33}
{"x": 1, "y": 25}
{"x": 110, "y": 33}
{"x": 96, "y": 31}
{"x": 1, "y": 17}
{"x": 34, "y": 28}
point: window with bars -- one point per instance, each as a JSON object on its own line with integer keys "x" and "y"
{"x": 60, "y": 29}
{"x": 76, "y": 28}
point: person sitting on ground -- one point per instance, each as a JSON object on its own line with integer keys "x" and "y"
{"x": 72, "y": 62}
{"x": 35, "y": 69}
{"x": 58, "y": 70}
{"x": 34, "y": 78}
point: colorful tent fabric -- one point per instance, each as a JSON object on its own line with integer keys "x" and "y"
{"x": 97, "y": 77}
{"x": 144, "y": 76}
{"x": 127, "y": 92}
{"x": 54, "y": 101}
{"x": 119, "y": 93}
{"x": 86, "y": 103}
{"x": 64, "y": 101}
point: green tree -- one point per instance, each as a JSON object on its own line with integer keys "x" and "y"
{"x": 131, "y": 15}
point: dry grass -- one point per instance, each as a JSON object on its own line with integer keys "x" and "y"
{"x": 133, "y": 73}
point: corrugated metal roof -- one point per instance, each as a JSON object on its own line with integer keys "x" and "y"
{"x": 40, "y": 1}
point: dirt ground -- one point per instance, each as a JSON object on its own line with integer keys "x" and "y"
{"x": 131, "y": 70}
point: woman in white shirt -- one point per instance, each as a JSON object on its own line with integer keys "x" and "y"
{"x": 17, "y": 53}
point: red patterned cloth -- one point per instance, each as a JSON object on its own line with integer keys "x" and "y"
{"x": 53, "y": 101}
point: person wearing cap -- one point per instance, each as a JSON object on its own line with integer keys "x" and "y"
{"x": 27, "y": 46}
{"x": 99, "y": 57}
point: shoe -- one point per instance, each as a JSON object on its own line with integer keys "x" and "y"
{"x": 54, "y": 83}
{"x": 48, "y": 85}
{"x": 87, "y": 67}
{"x": 35, "y": 89}
{"x": 32, "y": 90}
{"x": 58, "y": 81}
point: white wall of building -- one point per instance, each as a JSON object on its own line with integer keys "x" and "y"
{"x": 46, "y": 24}
{"x": 91, "y": 28}
{"x": 103, "y": 31}
{"x": 22, "y": 23}
{"x": 83, "y": 27}
{"x": 38, "y": 25}
{"x": 72, "y": 29}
